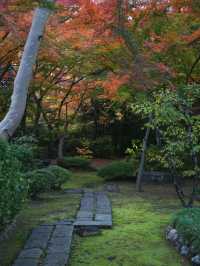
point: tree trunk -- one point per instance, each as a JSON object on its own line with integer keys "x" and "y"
{"x": 15, "y": 113}
{"x": 60, "y": 146}
{"x": 142, "y": 159}
{"x": 61, "y": 140}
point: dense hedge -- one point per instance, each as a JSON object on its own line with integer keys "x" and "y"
{"x": 187, "y": 223}
{"x": 13, "y": 187}
{"x": 74, "y": 162}
{"x": 117, "y": 170}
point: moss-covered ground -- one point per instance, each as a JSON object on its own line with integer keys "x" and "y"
{"x": 137, "y": 237}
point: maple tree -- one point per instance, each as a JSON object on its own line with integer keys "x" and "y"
{"x": 133, "y": 42}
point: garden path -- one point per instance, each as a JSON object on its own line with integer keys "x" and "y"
{"x": 49, "y": 244}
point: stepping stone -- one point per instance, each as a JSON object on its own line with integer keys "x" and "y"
{"x": 100, "y": 224}
{"x": 62, "y": 231}
{"x": 59, "y": 245}
{"x": 56, "y": 259}
{"x": 39, "y": 237}
{"x": 85, "y": 214}
{"x": 64, "y": 222}
{"x": 26, "y": 262}
{"x": 34, "y": 253}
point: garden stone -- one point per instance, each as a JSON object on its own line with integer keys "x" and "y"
{"x": 88, "y": 230}
{"x": 172, "y": 235}
{"x": 56, "y": 259}
{"x": 31, "y": 253}
{"x": 26, "y": 262}
{"x": 196, "y": 260}
{"x": 114, "y": 188}
{"x": 168, "y": 229}
{"x": 184, "y": 251}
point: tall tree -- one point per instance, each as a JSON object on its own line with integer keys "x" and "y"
{"x": 15, "y": 113}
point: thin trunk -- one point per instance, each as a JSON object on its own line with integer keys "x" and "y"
{"x": 61, "y": 146}
{"x": 19, "y": 97}
{"x": 61, "y": 140}
{"x": 142, "y": 159}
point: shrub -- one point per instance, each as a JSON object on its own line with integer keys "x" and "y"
{"x": 61, "y": 176}
{"x": 13, "y": 187}
{"x": 46, "y": 179}
{"x": 187, "y": 223}
{"x": 116, "y": 170}
{"x": 25, "y": 151}
{"x": 74, "y": 162}
{"x": 39, "y": 181}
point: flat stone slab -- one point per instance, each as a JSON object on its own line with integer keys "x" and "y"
{"x": 101, "y": 224}
{"x": 48, "y": 245}
{"x": 103, "y": 217}
{"x": 56, "y": 259}
{"x": 95, "y": 211}
{"x": 34, "y": 253}
{"x": 26, "y": 262}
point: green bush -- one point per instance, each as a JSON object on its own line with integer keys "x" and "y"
{"x": 13, "y": 187}
{"x": 25, "y": 151}
{"x": 61, "y": 176}
{"x": 39, "y": 181}
{"x": 187, "y": 223}
{"x": 46, "y": 179}
{"x": 117, "y": 170}
{"x": 102, "y": 147}
{"x": 74, "y": 162}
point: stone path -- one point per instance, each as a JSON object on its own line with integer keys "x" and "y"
{"x": 95, "y": 210}
{"x": 49, "y": 244}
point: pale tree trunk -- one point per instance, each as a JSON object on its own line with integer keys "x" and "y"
{"x": 15, "y": 113}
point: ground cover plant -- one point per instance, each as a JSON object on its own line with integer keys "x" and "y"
{"x": 186, "y": 222}
{"x": 136, "y": 216}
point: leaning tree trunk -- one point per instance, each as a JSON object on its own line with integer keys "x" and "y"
{"x": 16, "y": 111}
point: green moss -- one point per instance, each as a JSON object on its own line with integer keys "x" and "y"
{"x": 137, "y": 238}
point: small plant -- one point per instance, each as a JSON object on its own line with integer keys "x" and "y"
{"x": 61, "y": 176}
{"x": 117, "y": 170}
{"x": 187, "y": 224}
{"x": 74, "y": 162}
